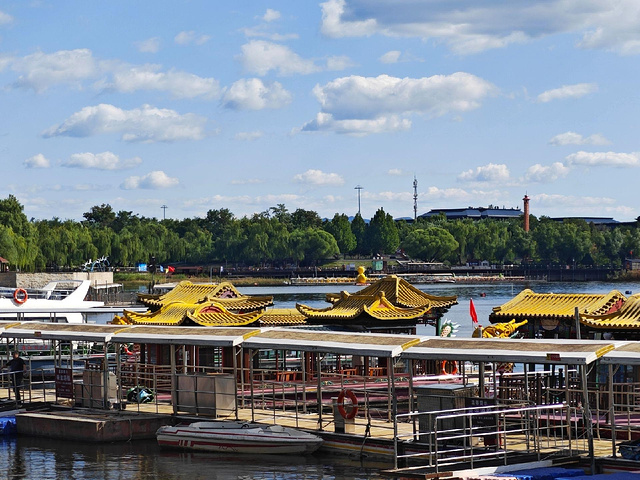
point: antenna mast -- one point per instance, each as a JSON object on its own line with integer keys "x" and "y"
{"x": 415, "y": 199}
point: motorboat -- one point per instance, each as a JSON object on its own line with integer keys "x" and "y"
{"x": 57, "y": 301}
{"x": 238, "y": 437}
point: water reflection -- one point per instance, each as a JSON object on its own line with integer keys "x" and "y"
{"x": 34, "y": 457}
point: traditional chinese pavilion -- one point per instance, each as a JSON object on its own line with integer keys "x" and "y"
{"x": 389, "y": 302}
{"x": 553, "y": 315}
{"x": 199, "y": 304}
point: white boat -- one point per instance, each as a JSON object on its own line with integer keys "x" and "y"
{"x": 238, "y": 437}
{"x": 57, "y": 301}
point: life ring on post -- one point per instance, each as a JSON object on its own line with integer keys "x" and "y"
{"x": 20, "y": 296}
{"x": 448, "y": 367}
{"x": 354, "y": 404}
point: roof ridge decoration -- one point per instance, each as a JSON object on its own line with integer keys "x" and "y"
{"x": 194, "y": 293}
{"x": 627, "y": 317}
{"x": 371, "y": 302}
{"x": 400, "y": 293}
{"x": 214, "y": 315}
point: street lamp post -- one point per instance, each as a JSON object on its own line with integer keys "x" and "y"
{"x": 358, "y": 188}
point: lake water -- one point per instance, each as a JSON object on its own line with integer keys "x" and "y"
{"x": 40, "y": 458}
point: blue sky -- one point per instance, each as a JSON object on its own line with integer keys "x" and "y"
{"x": 200, "y": 105}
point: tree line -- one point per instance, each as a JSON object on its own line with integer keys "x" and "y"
{"x": 280, "y": 238}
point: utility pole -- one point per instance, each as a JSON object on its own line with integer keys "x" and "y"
{"x": 164, "y": 212}
{"x": 358, "y": 187}
{"x": 415, "y": 199}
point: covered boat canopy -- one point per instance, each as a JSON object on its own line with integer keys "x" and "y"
{"x": 346, "y": 343}
{"x": 573, "y": 352}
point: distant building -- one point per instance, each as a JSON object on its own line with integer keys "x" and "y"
{"x": 598, "y": 221}
{"x": 475, "y": 213}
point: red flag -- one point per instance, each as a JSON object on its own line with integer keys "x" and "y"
{"x": 472, "y": 312}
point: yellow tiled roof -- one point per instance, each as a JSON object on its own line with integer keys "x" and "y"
{"x": 176, "y": 313}
{"x": 528, "y": 304}
{"x": 171, "y": 314}
{"x": 401, "y": 293}
{"x": 282, "y": 316}
{"x": 352, "y": 306}
{"x": 215, "y": 315}
{"x": 626, "y": 318}
{"x": 194, "y": 293}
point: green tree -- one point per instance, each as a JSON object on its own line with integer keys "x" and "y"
{"x": 102, "y": 215}
{"x": 430, "y": 244}
{"x": 340, "y": 228}
{"x": 312, "y": 244}
{"x": 382, "y": 234}
{"x": 302, "y": 218}
{"x": 359, "y": 229}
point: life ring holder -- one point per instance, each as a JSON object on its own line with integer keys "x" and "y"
{"x": 20, "y": 296}
{"x": 453, "y": 367}
{"x": 354, "y": 404}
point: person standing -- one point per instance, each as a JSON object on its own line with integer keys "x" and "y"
{"x": 17, "y": 368}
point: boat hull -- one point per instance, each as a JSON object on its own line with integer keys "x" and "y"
{"x": 238, "y": 437}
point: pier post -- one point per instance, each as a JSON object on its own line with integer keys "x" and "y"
{"x": 319, "y": 388}
{"x": 105, "y": 377}
{"x": 174, "y": 396}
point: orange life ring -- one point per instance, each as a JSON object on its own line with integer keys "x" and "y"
{"x": 451, "y": 366}
{"x": 20, "y": 295}
{"x": 354, "y": 404}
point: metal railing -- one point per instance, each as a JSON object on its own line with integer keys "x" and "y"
{"x": 496, "y": 432}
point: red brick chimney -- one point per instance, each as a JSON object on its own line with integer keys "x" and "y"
{"x": 526, "y": 213}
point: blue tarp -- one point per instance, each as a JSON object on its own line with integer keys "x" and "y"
{"x": 545, "y": 473}
{"x": 8, "y": 425}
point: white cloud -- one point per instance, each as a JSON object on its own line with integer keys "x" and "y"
{"x": 545, "y": 174}
{"x": 260, "y": 57}
{"x": 391, "y": 57}
{"x": 130, "y": 79}
{"x": 363, "y": 105}
{"x": 150, "y": 45}
{"x": 572, "y": 138}
{"x": 324, "y": 122}
{"x": 318, "y": 177}
{"x": 37, "y": 161}
{"x": 144, "y": 124}
{"x": 152, "y": 181}
{"x": 567, "y": 91}
{"x": 271, "y": 15}
{"x": 395, "y": 172}
{"x": 486, "y": 173}
{"x": 368, "y": 97}
{"x": 608, "y": 159}
{"x": 39, "y": 71}
{"x": 191, "y": 38}
{"x": 254, "y": 94}
{"x": 249, "y": 136}
{"x": 100, "y": 161}
{"x": 5, "y": 18}
{"x": 470, "y": 27}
